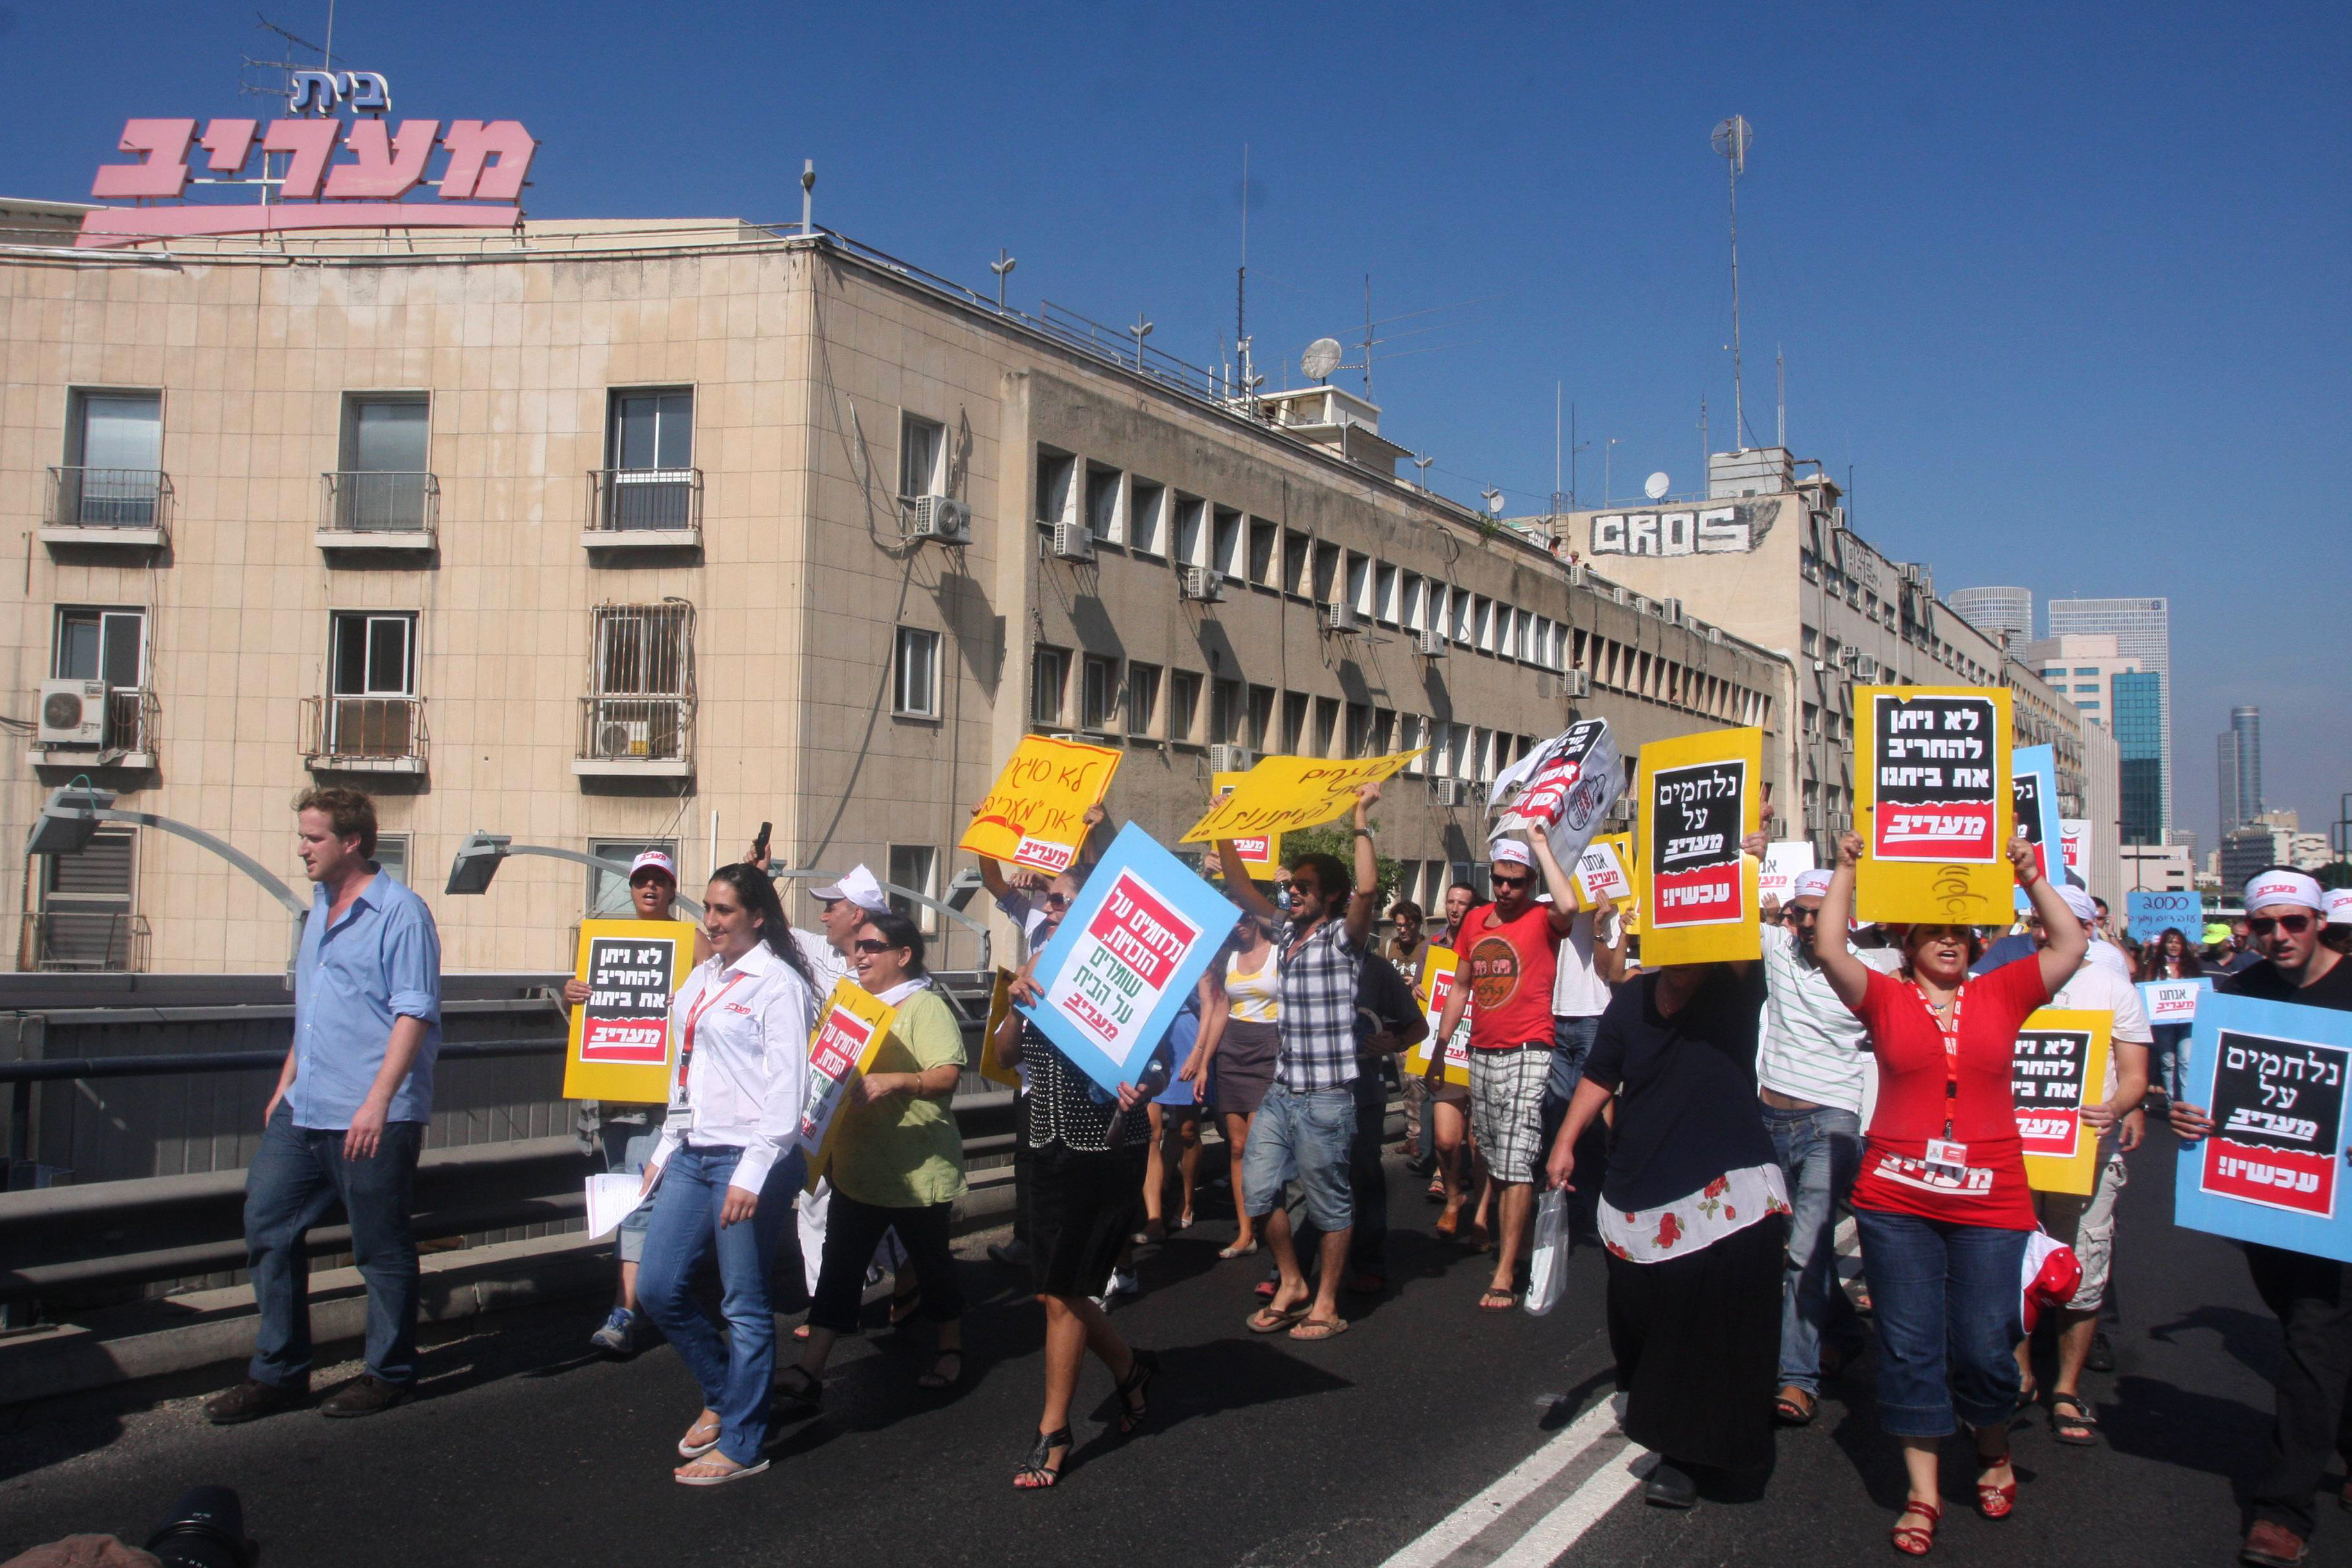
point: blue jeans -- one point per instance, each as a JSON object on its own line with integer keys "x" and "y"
{"x": 1820, "y": 1151}
{"x": 296, "y": 1175}
{"x": 2171, "y": 1058}
{"x": 1304, "y": 1137}
{"x": 735, "y": 1371}
{"x": 1945, "y": 1297}
{"x": 1571, "y": 1042}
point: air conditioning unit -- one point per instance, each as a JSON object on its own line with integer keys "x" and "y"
{"x": 620, "y": 738}
{"x": 1228, "y": 758}
{"x": 1577, "y": 682}
{"x": 1339, "y": 618}
{"x": 1430, "y": 642}
{"x": 73, "y": 712}
{"x": 1850, "y": 658}
{"x": 1715, "y": 634}
{"x": 1073, "y": 541}
{"x": 1671, "y": 613}
{"x": 1576, "y": 573}
{"x": 1865, "y": 669}
{"x": 1202, "y": 583}
{"x": 943, "y": 519}
{"x": 1451, "y": 792}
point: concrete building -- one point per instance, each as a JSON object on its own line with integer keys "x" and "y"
{"x": 2001, "y": 611}
{"x": 2158, "y": 868}
{"x": 2114, "y": 691}
{"x": 2142, "y": 628}
{"x": 614, "y": 534}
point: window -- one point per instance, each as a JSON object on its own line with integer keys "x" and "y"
{"x": 1482, "y": 623}
{"x": 1412, "y": 730}
{"x": 374, "y": 654}
{"x": 1441, "y": 749}
{"x": 384, "y": 485}
{"x": 87, "y": 919}
{"x": 642, "y": 663}
{"x": 2081, "y": 671}
{"x": 1359, "y": 729}
{"x": 1325, "y": 587}
{"x": 1327, "y": 725}
{"x": 1294, "y": 722}
{"x": 1385, "y": 592}
{"x": 1260, "y": 717}
{"x": 1183, "y": 703}
{"x": 1440, "y": 609}
{"x": 915, "y": 867}
{"x": 115, "y": 459}
{"x": 1468, "y": 609}
{"x": 108, "y": 646}
{"x": 1049, "y": 676}
{"x": 1507, "y": 632}
{"x": 608, "y": 891}
{"x": 1226, "y": 527}
{"x": 1055, "y": 472}
{"x": 1098, "y": 694}
{"x": 1142, "y": 697}
{"x": 1409, "y": 615}
{"x": 915, "y": 687}
{"x": 649, "y": 447}
{"x": 1262, "y": 538}
{"x": 1145, "y": 502}
{"x": 1226, "y": 711}
{"x": 1359, "y": 583}
{"x": 1102, "y": 502}
{"x": 922, "y": 445}
{"x": 392, "y": 856}
{"x": 1190, "y": 547}
{"x": 1298, "y": 563}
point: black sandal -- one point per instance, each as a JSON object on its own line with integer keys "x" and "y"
{"x": 1790, "y": 1411}
{"x": 1142, "y": 1366}
{"x": 1035, "y": 1474}
{"x": 2081, "y": 1421}
{"x": 932, "y": 1381}
{"x": 809, "y": 1392}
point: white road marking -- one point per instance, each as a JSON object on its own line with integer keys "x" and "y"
{"x": 1450, "y": 1534}
{"x": 1582, "y": 1508}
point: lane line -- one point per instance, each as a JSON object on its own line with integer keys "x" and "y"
{"x": 1450, "y": 1534}
{"x": 1577, "y": 1512}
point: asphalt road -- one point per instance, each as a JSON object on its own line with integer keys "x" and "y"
{"x": 1260, "y": 1451}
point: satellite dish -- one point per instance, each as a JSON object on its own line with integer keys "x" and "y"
{"x": 1494, "y": 501}
{"x": 1656, "y": 486}
{"x": 1321, "y": 357}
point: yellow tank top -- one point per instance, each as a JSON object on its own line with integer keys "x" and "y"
{"x": 1255, "y": 997}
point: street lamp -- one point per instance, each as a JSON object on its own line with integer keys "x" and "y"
{"x": 70, "y": 818}
{"x": 479, "y": 857}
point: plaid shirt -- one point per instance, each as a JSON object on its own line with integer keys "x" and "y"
{"x": 1319, "y": 1009}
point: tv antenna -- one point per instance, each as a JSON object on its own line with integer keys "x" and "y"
{"x": 1731, "y": 141}
{"x": 1423, "y": 463}
{"x": 1494, "y": 499}
{"x": 1002, "y": 266}
{"x": 1321, "y": 357}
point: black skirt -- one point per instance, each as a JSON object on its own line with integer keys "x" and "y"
{"x": 1082, "y": 1209}
{"x": 1697, "y": 1341}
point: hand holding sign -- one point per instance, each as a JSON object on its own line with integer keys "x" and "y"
{"x": 1286, "y": 792}
{"x": 1043, "y": 804}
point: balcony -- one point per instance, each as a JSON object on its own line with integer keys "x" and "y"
{"x": 109, "y": 508}
{"x": 126, "y": 735}
{"x": 64, "y": 939}
{"x": 363, "y": 735}
{"x": 636, "y": 737}
{"x": 644, "y": 509}
{"x": 378, "y": 512}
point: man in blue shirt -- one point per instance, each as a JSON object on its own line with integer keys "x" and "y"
{"x": 348, "y": 1117}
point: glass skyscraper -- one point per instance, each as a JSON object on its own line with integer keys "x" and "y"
{"x": 2238, "y": 755}
{"x": 1992, "y": 610}
{"x": 2142, "y": 630}
{"x": 2137, "y": 701}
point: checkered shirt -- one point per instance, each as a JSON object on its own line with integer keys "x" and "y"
{"x": 1319, "y": 1009}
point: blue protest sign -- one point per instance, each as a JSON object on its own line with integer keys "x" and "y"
{"x": 1135, "y": 941}
{"x": 2033, "y": 788}
{"x": 2270, "y": 1074}
{"x": 2151, "y": 915}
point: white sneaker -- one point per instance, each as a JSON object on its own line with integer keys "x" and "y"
{"x": 1123, "y": 1282}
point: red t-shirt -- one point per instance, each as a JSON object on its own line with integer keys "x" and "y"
{"x": 1912, "y": 1106}
{"x": 1510, "y": 968}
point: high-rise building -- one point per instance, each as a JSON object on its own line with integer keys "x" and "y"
{"x": 1995, "y": 611}
{"x": 2238, "y": 755}
{"x": 2137, "y": 699}
{"x": 2142, "y": 630}
{"x": 2225, "y": 773}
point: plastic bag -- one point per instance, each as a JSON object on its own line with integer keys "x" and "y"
{"x": 1547, "y": 1266}
{"x": 2051, "y": 1276}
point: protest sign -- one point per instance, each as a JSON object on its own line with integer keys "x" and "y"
{"x": 1785, "y": 859}
{"x": 2270, "y": 1074}
{"x": 1438, "y": 973}
{"x": 1000, "y": 1001}
{"x": 1700, "y": 795}
{"x": 2075, "y": 835}
{"x": 1601, "y": 871}
{"x": 620, "y": 1048}
{"x": 2033, "y": 798}
{"x": 1115, "y": 973}
{"x": 1034, "y": 814}
{"x": 1282, "y": 793}
{"x": 1564, "y": 787}
{"x": 2060, "y": 1057}
{"x": 1259, "y": 852}
{"x": 2172, "y": 1001}
{"x": 850, "y": 1029}
{"x": 1932, "y": 804}
{"x": 2151, "y": 915}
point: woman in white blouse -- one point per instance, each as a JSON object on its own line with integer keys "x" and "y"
{"x": 729, "y": 1165}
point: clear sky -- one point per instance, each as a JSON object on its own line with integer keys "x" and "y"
{"x": 2068, "y": 288}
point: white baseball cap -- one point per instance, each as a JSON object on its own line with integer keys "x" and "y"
{"x": 1511, "y": 852}
{"x": 2340, "y": 906}
{"x": 655, "y": 860}
{"x": 859, "y": 886}
{"x": 1814, "y": 884}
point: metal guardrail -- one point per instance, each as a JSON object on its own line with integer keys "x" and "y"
{"x": 636, "y": 730}
{"x": 644, "y": 500}
{"x": 378, "y": 502}
{"x": 101, "y": 498}
{"x": 371, "y": 734}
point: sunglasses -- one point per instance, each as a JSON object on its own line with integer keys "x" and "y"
{"x": 2293, "y": 924}
{"x": 1058, "y": 901}
{"x": 1796, "y": 916}
{"x": 1304, "y": 885}
{"x": 1510, "y": 880}
{"x": 875, "y": 945}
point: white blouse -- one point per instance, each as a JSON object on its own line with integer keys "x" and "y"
{"x": 749, "y": 1068}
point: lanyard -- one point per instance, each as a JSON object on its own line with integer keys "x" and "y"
{"x": 1951, "y": 1035}
{"x": 686, "y": 1046}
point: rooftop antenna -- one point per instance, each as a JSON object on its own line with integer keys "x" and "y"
{"x": 1140, "y": 332}
{"x": 1731, "y": 141}
{"x": 1494, "y": 499}
{"x": 1423, "y": 463}
{"x": 1321, "y": 357}
{"x": 1368, "y": 337}
{"x": 1002, "y": 266}
{"x": 327, "y": 55}
{"x": 1706, "y": 452}
{"x": 1556, "y": 387}
{"x": 808, "y": 197}
{"x": 1574, "y": 447}
{"x": 1241, "y": 277}
{"x": 1607, "y": 453}
{"x": 1656, "y": 486}
{"x": 1781, "y": 380}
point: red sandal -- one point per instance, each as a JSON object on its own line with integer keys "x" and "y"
{"x": 1996, "y": 1502}
{"x": 1912, "y": 1540}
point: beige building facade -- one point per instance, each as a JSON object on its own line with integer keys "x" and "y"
{"x": 608, "y": 534}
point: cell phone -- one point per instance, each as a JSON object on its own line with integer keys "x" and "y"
{"x": 760, "y": 844}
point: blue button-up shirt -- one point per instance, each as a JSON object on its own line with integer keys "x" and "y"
{"x": 381, "y": 961}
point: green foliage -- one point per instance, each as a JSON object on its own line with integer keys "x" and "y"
{"x": 1338, "y": 838}
{"x": 2335, "y": 874}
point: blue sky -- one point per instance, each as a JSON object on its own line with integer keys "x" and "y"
{"x": 2064, "y": 285}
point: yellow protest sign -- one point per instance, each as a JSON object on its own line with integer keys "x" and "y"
{"x": 1286, "y": 792}
{"x": 621, "y": 1046}
{"x": 1000, "y": 1002}
{"x": 1700, "y": 795}
{"x": 850, "y": 1029}
{"x": 1257, "y": 849}
{"x": 1437, "y": 974}
{"x": 2060, "y": 1066}
{"x": 1035, "y": 815}
{"x": 1931, "y": 800}
{"x": 1600, "y": 871}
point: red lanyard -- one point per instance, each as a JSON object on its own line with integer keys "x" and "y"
{"x": 1951, "y": 1033}
{"x": 686, "y": 1046}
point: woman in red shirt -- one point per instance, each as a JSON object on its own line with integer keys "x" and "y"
{"x": 1941, "y": 1203}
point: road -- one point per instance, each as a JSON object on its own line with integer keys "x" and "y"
{"x": 1430, "y": 1433}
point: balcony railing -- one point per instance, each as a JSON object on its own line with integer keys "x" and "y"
{"x": 68, "y": 939}
{"x": 663, "y": 503}
{"x": 643, "y": 735}
{"x": 376, "y": 504}
{"x": 129, "y": 501}
{"x": 365, "y": 735}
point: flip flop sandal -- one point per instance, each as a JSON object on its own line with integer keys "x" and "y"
{"x": 1496, "y": 1301}
{"x": 1237, "y": 1250}
{"x": 687, "y": 1449}
{"x": 716, "y": 1478}
{"x": 1273, "y": 1320}
{"x": 1793, "y": 1414}
{"x": 2081, "y": 1421}
{"x": 1312, "y": 1329}
{"x": 933, "y": 1382}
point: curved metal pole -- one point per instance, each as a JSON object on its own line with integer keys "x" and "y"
{"x": 958, "y": 915}
{"x": 229, "y": 853}
{"x": 581, "y": 857}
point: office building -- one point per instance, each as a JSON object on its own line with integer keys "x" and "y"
{"x": 1997, "y": 611}
{"x": 2142, "y": 630}
{"x": 2158, "y": 868}
{"x": 2238, "y": 757}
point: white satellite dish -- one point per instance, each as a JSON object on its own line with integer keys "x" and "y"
{"x": 1321, "y": 357}
{"x": 1656, "y": 486}
{"x": 1494, "y": 501}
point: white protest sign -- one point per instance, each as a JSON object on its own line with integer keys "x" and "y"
{"x": 1565, "y": 787}
{"x": 2172, "y": 1001}
{"x": 1785, "y": 859}
{"x": 1600, "y": 874}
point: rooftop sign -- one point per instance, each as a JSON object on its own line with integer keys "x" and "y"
{"x": 301, "y": 184}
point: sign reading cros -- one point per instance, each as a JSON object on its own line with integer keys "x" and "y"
{"x": 1935, "y": 791}
{"x": 1719, "y": 528}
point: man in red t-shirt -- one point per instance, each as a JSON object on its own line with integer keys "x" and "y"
{"x": 1509, "y": 955}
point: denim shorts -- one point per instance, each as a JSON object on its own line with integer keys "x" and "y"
{"x": 1302, "y": 1137}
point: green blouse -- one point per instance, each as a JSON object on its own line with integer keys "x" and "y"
{"x": 905, "y": 1152}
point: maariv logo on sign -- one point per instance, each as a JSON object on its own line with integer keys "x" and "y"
{"x": 1695, "y": 819}
{"x": 1933, "y": 780}
{"x": 625, "y": 1019}
{"x": 833, "y": 1057}
{"x": 2047, "y": 1088}
{"x": 2278, "y": 1122}
{"x": 1045, "y": 855}
{"x": 1126, "y": 958}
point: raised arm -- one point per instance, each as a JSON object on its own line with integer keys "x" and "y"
{"x": 1241, "y": 886}
{"x": 1096, "y": 843}
{"x": 1848, "y": 975}
{"x": 1556, "y": 881}
{"x": 2069, "y": 943}
{"x": 1365, "y": 902}
{"x": 1608, "y": 949}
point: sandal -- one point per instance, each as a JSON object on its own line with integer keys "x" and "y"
{"x": 1035, "y": 1474}
{"x": 689, "y": 1448}
{"x": 1274, "y": 1320}
{"x": 1313, "y": 1329}
{"x": 1436, "y": 1193}
{"x": 933, "y": 1382}
{"x": 1996, "y": 1502}
{"x": 1237, "y": 1250}
{"x": 1914, "y": 1540}
{"x": 1790, "y": 1411}
{"x": 2082, "y": 1424}
{"x": 808, "y": 1393}
{"x": 1497, "y": 1300}
{"x": 714, "y": 1470}
{"x": 1478, "y": 1240}
{"x": 1142, "y": 1366}
{"x": 1448, "y": 1224}
{"x": 903, "y": 1308}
